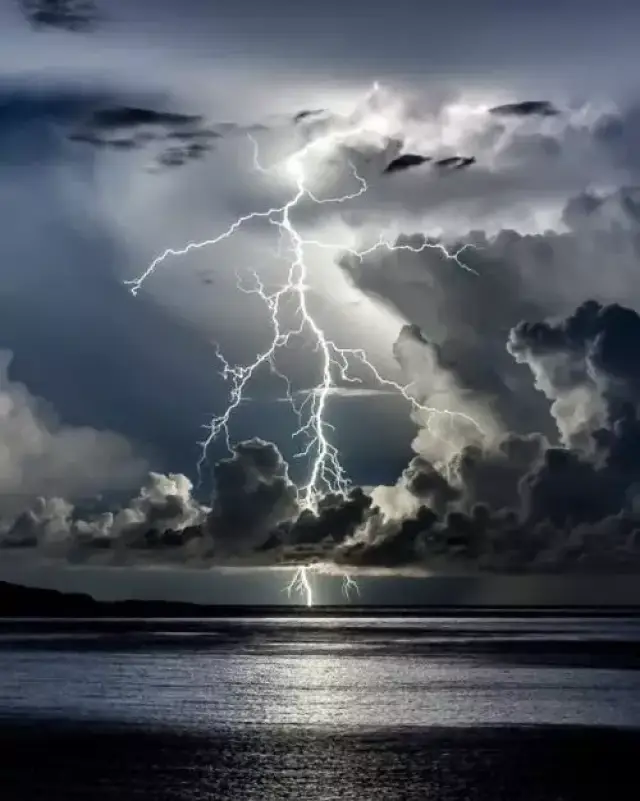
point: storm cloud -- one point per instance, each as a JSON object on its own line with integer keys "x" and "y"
{"x": 517, "y": 353}
{"x": 514, "y": 503}
{"x": 106, "y": 119}
{"x": 71, "y": 15}
{"x": 40, "y": 456}
{"x": 525, "y": 411}
{"x": 526, "y": 108}
{"x": 183, "y": 137}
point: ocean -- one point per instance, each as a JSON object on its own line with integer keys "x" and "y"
{"x": 320, "y": 708}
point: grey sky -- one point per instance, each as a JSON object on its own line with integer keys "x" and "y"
{"x": 77, "y": 220}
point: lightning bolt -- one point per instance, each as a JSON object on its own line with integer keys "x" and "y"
{"x": 326, "y": 473}
{"x": 348, "y": 585}
{"x": 300, "y": 583}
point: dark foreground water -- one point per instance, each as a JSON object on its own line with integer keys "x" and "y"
{"x": 321, "y": 709}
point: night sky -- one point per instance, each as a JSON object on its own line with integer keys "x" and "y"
{"x": 130, "y": 128}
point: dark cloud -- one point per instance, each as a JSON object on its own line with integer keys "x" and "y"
{"x": 586, "y": 365}
{"x": 512, "y": 504}
{"x": 71, "y": 15}
{"x": 517, "y": 503}
{"x": 493, "y": 497}
{"x": 336, "y": 519}
{"x": 617, "y": 133}
{"x": 492, "y": 475}
{"x": 306, "y": 114}
{"x": 183, "y": 137}
{"x": 455, "y": 162}
{"x": 564, "y": 492}
{"x": 99, "y": 120}
{"x": 164, "y": 522}
{"x": 177, "y": 156}
{"x": 387, "y": 546}
{"x": 465, "y": 315}
{"x": 163, "y": 519}
{"x": 123, "y": 117}
{"x": 427, "y": 484}
{"x": 526, "y": 108}
{"x": 406, "y": 161}
{"x": 254, "y": 495}
{"x": 500, "y": 171}
{"x": 22, "y": 104}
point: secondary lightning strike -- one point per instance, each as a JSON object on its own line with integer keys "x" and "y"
{"x": 349, "y": 584}
{"x": 300, "y": 583}
{"x": 326, "y": 474}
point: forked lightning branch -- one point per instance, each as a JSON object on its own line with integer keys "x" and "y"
{"x": 335, "y": 362}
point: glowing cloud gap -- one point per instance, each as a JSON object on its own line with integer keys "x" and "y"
{"x": 326, "y": 474}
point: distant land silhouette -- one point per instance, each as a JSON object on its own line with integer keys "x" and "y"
{"x": 17, "y": 601}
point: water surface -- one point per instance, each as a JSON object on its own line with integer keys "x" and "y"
{"x": 321, "y": 708}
